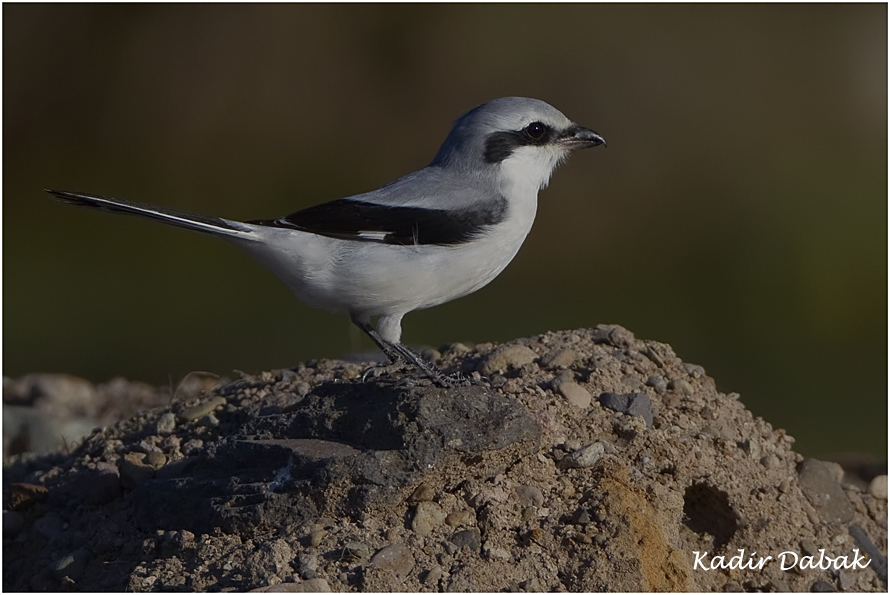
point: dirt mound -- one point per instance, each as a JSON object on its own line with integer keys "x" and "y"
{"x": 588, "y": 461}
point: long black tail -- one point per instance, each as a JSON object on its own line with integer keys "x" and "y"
{"x": 213, "y": 225}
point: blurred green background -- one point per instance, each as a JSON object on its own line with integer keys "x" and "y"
{"x": 739, "y": 213}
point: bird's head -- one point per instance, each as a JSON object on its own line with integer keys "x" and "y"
{"x": 516, "y": 137}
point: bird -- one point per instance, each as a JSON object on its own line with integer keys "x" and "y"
{"x": 427, "y": 238}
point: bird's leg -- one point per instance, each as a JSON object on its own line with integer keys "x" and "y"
{"x": 399, "y": 355}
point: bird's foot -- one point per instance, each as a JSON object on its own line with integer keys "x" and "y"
{"x": 379, "y": 370}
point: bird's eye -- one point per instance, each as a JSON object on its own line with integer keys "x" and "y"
{"x": 536, "y": 130}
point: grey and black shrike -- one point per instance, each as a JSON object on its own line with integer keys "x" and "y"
{"x": 434, "y": 235}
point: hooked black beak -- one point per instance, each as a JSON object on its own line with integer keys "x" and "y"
{"x": 578, "y": 137}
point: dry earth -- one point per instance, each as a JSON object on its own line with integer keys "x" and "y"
{"x": 588, "y": 461}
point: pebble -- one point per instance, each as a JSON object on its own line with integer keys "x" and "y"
{"x": 432, "y": 575}
{"x": 396, "y": 558}
{"x": 769, "y": 461}
{"x": 193, "y": 446}
{"x": 658, "y": 383}
{"x": 315, "y": 585}
{"x": 637, "y": 404}
{"x": 575, "y": 394}
{"x": 134, "y": 472}
{"x": 166, "y": 424}
{"x": 581, "y": 517}
{"x": 208, "y": 421}
{"x": 470, "y": 538}
{"x": 503, "y": 358}
{"x": 822, "y": 587}
{"x": 427, "y": 516}
{"x": 823, "y": 492}
{"x": 496, "y": 553}
{"x": 307, "y": 564}
{"x": 25, "y": 495}
{"x": 561, "y": 358}
{"x": 681, "y": 386}
{"x": 12, "y": 523}
{"x": 72, "y": 565}
{"x": 614, "y": 335}
{"x": 533, "y": 585}
{"x": 878, "y": 487}
{"x": 694, "y": 370}
{"x": 423, "y": 493}
{"x": 316, "y": 537}
{"x": 201, "y": 409}
{"x": 156, "y": 459}
{"x": 632, "y": 382}
{"x": 846, "y": 580}
{"x": 584, "y": 457}
{"x": 529, "y": 495}
{"x": 460, "y": 517}
{"x": 356, "y": 550}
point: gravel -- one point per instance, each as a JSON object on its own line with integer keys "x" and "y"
{"x": 314, "y": 481}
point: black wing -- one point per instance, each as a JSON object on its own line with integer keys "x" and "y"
{"x": 366, "y": 221}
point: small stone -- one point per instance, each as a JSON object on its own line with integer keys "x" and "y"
{"x": 495, "y": 553}
{"x": 506, "y": 357}
{"x": 529, "y": 495}
{"x": 632, "y": 382}
{"x": 431, "y": 355}
{"x": 209, "y": 421}
{"x": 878, "y": 487}
{"x": 846, "y": 580}
{"x": 134, "y": 472}
{"x": 396, "y": 558}
{"x": 25, "y": 495}
{"x": 769, "y": 461}
{"x": 166, "y": 424}
{"x": 637, "y": 404}
{"x": 192, "y": 447}
{"x": 584, "y": 457}
{"x": 71, "y": 566}
{"x": 316, "y": 537}
{"x": 825, "y": 494}
{"x": 460, "y": 517}
{"x": 307, "y": 564}
{"x": 694, "y": 370}
{"x": 432, "y": 576}
{"x": 155, "y": 459}
{"x": 423, "y": 493}
{"x": 315, "y": 585}
{"x": 356, "y": 550}
{"x": 613, "y": 334}
{"x": 470, "y": 538}
{"x": 12, "y": 523}
{"x": 581, "y": 517}
{"x": 533, "y": 585}
{"x": 582, "y": 538}
{"x": 681, "y": 386}
{"x": 201, "y": 409}
{"x": 561, "y": 358}
{"x": 427, "y": 516}
{"x": 822, "y": 587}
{"x": 575, "y": 394}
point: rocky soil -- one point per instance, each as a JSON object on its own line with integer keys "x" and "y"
{"x": 585, "y": 461}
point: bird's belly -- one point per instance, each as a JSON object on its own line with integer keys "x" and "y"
{"x": 373, "y": 279}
